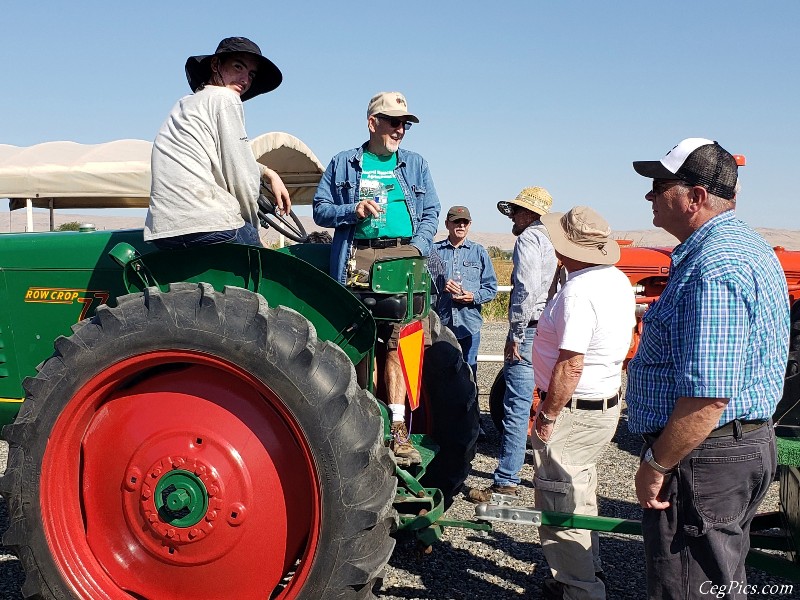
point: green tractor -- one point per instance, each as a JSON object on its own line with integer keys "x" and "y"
{"x": 201, "y": 433}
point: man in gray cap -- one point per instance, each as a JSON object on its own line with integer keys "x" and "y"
{"x": 382, "y": 203}
{"x": 706, "y": 378}
{"x": 583, "y": 336}
{"x": 467, "y": 281}
{"x": 531, "y": 278}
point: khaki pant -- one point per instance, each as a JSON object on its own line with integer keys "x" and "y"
{"x": 365, "y": 257}
{"x": 566, "y": 481}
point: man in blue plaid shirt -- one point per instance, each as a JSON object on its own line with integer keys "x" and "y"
{"x": 706, "y": 378}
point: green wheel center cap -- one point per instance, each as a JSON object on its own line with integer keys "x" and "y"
{"x": 181, "y": 498}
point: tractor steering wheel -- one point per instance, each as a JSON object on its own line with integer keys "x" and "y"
{"x": 269, "y": 217}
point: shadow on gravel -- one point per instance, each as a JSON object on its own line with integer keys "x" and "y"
{"x": 11, "y": 574}
{"x": 450, "y": 573}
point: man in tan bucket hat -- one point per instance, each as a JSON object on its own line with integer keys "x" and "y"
{"x": 534, "y": 267}
{"x": 583, "y": 336}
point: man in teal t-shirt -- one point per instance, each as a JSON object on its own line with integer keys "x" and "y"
{"x": 382, "y": 203}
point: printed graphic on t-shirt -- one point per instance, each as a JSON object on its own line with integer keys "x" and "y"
{"x": 378, "y": 182}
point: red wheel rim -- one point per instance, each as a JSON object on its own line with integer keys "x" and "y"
{"x": 179, "y": 412}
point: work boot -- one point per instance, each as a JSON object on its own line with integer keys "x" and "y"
{"x": 401, "y": 446}
{"x": 484, "y": 496}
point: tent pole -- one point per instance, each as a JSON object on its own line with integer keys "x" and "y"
{"x": 52, "y": 222}
{"x": 29, "y": 211}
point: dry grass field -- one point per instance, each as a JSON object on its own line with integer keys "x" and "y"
{"x": 497, "y": 309}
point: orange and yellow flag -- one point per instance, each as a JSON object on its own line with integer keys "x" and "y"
{"x": 410, "y": 350}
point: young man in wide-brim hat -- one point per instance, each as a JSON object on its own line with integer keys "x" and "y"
{"x": 205, "y": 179}
{"x": 583, "y": 336}
{"x": 200, "y": 69}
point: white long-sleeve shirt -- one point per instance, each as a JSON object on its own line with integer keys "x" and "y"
{"x": 204, "y": 174}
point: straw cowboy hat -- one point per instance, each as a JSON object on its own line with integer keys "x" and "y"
{"x": 535, "y": 199}
{"x": 582, "y": 234}
{"x": 268, "y": 77}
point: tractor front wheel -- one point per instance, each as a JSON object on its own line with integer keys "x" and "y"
{"x": 195, "y": 444}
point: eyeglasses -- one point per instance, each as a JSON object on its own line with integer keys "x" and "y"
{"x": 460, "y": 222}
{"x": 662, "y": 185}
{"x": 395, "y": 122}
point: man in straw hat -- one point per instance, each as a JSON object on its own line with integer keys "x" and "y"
{"x": 205, "y": 179}
{"x": 583, "y": 336}
{"x": 382, "y": 202}
{"x": 706, "y": 378}
{"x": 534, "y": 268}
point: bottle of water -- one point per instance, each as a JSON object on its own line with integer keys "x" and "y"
{"x": 382, "y": 199}
{"x": 458, "y": 279}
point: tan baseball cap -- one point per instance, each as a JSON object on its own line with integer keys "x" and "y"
{"x": 391, "y": 104}
{"x": 536, "y": 199}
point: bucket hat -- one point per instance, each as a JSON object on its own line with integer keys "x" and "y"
{"x": 198, "y": 68}
{"x": 697, "y": 161}
{"x": 582, "y": 234}
{"x": 536, "y": 199}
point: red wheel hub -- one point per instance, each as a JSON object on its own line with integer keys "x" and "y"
{"x": 177, "y": 459}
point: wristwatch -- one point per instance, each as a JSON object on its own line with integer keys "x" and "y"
{"x": 545, "y": 419}
{"x": 650, "y": 460}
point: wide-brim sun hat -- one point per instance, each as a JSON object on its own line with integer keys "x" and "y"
{"x": 583, "y": 235}
{"x": 536, "y": 199}
{"x": 268, "y": 77}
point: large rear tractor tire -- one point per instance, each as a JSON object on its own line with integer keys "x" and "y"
{"x": 452, "y": 396}
{"x": 195, "y": 444}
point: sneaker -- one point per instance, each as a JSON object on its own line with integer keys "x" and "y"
{"x": 402, "y": 447}
{"x": 484, "y": 496}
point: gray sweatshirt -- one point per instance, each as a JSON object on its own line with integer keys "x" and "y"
{"x": 534, "y": 267}
{"x": 204, "y": 174}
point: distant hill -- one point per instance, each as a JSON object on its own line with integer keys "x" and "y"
{"x": 15, "y": 221}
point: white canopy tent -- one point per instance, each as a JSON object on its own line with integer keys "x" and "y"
{"x": 117, "y": 174}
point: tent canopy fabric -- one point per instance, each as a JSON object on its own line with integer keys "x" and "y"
{"x": 117, "y": 174}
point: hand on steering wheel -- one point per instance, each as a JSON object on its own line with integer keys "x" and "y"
{"x": 286, "y": 223}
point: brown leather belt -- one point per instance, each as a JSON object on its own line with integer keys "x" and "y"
{"x": 588, "y": 403}
{"x": 381, "y": 242}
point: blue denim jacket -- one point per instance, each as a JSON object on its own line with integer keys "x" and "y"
{"x": 478, "y": 277}
{"x": 337, "y": 196}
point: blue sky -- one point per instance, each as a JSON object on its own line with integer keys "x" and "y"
{"x": 510, "y": 94}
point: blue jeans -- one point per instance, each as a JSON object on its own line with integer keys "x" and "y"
{"x": 469, "y": 348}
{"x": 702, "y": 538}
{"x": 246, "y": 234}
{"x": 517, "y": 409}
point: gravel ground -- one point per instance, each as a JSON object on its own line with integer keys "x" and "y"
{"x": 508, "y": 562}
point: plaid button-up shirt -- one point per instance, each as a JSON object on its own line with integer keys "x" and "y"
{"x": 719, "y": 330}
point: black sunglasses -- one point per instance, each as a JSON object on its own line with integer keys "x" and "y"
{"x": 662, "y": 185}
{"x": 394, "y": 122}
